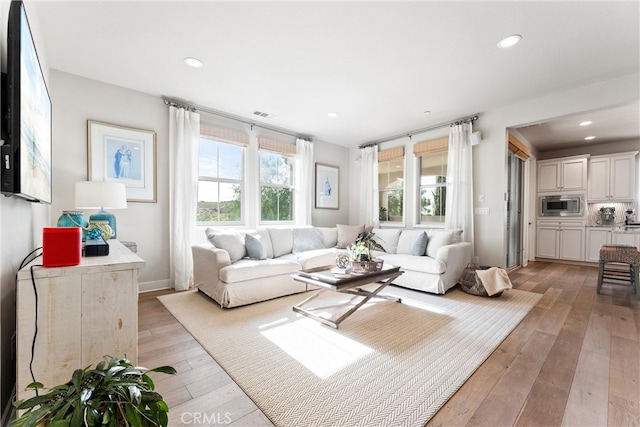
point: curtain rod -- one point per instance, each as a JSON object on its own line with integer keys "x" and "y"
{"x": 468, "y": 119}
{"x": 194, "y": 108}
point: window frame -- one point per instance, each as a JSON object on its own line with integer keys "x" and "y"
{"x": 430, "y": 148}
{"x": 291, "y": 187}
{"x": 219, "y": 181}
{"x": 403, "y": 189}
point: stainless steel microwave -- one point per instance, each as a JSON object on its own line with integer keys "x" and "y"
{"x": 565, "y": 205}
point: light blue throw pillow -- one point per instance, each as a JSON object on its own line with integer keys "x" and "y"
{"x": 420, "y": 244}
{"x": 255, "y": 247}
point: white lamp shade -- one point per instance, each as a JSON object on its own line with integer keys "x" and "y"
{"x": 100, "y": 195}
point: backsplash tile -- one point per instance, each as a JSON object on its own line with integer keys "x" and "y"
{"x": 621, "y": 208}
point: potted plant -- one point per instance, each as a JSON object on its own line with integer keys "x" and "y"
{"x": 361, "y": 248}
{"x": 115, "y": 393}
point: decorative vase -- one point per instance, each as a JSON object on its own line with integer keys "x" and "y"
{"x": 99, "y": 229}
{"x": 74, "y": 219}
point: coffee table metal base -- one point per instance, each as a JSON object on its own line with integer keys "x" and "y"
{"x": 353, "y": 291}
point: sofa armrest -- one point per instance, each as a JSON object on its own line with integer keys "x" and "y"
{"x": 207, "y": 262}
{"x": 456, "y": 256}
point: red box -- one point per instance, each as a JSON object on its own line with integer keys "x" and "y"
{"x": 61, "y": 246}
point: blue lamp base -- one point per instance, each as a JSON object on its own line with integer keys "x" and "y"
{"x": 105, "y": 216}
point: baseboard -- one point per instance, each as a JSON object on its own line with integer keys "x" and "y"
{"x": 154, "y": 286}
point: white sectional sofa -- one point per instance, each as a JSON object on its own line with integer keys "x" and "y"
{"x": 234, "y": 270}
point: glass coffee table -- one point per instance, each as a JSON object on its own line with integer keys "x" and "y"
{"x": 325, "y": 280}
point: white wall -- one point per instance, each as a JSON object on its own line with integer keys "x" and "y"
{"x": 76, "y": 100}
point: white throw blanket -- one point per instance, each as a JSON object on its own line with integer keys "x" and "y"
{"x": 494, "y": 280}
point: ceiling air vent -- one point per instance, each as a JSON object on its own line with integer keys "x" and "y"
{"x": 263, "y": 114}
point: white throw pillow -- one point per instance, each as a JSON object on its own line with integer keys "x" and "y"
{"x": 329, "y": 236}
{"x": 306, "y": 239}
{"x": 229, "y": 240}
{"x": 347, "y": 234}
{"x": 388, "y": 238}
{"x": 282, "y": 241}
{"x": 437, "y": 240}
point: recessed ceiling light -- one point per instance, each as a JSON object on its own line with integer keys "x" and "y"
{"x": 333, "y": 115}
{"x": 509, "y": 41}
{"x": 193, "y": 62}
{"x": 589, "y": 138}
{"x": 585, "y": 123}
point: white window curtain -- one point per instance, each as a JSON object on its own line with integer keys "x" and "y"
{"x": 304, "y": 182}
{"x": 184, "y": 135}
{"x": 459, "y": 205}
{"x": 369, "y": 203}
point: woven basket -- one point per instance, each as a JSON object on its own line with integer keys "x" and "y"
{"x": 471, "y": 284}
{"x": 366, "y": 266}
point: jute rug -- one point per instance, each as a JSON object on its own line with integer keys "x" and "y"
{"x": 389, "y": 364}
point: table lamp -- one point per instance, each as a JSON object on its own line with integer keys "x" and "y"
{"x": 101, "y": 195}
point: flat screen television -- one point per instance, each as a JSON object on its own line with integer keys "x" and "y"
{"x": 26, "y": 152}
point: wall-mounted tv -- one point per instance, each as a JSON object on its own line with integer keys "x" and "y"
{"x": 26, "y": 152}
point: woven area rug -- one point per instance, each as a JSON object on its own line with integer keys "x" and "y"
{"x": 389, "y": 364}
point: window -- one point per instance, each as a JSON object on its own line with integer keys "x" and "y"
{"x": 277, "y": 188}
{"x": 221, "y": 175}
{"x": 391, "y": 185}
{"x": 432, "y": 157}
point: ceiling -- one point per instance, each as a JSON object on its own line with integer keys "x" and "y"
{"x": 380, "y": 65}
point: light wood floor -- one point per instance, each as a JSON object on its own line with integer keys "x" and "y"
{"x": 574, "y": 361}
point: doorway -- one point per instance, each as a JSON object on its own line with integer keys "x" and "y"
{"x": 514, "y": 211}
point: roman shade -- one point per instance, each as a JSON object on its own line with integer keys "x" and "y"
{"x": 222, "y": 134}
{"x": 276, "y": 146}
{"x": 431, "y": 146}
{"x": 391, "y": 154}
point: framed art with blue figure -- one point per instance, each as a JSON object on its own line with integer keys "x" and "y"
{"x": 123, "y": 154}
{"x": 327, "y": 186}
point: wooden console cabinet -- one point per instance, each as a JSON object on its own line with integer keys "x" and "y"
{"x": 84, "y": 311}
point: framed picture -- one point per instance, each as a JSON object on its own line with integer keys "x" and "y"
{"x": 327, "y": 186}
{"x": 123, "y": 154}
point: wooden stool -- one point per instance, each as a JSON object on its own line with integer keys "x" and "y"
{"x": 619, "y": 264}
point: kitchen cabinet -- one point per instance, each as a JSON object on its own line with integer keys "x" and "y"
{"x": 598, "y": 236}
{"x": 612, "y": 178}
{"x": 561, "y": 239}
{"x": 565, "y": 174}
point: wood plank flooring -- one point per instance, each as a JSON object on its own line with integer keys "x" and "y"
{"x": 573, "y": 361}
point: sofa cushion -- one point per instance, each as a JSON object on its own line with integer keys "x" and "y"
{"x": 437, "y": 240}
{"x": 315, "y": 258}
{"x": 419, "y": 247}
{"x": 347, "y": 234}
{"x": 421, "y": 264}
{"x": 406, "y": 240}
{"x": 255, "y": 247}
{"x": 281, "y": 240}
{"x": 247, "y": 269}
{"x": 329, "y": 236}
{"x": 387, "y": 238}
{"x": 230, "y": 240}
{"x": 266, "y": 240}
{"x": 306, "y": 239}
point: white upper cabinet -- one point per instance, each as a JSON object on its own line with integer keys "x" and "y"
{"x": 566, "y": 174}
{"x": 612, "y": 178}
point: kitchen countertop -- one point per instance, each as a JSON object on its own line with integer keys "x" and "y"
{"x": 632, "y": 229}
